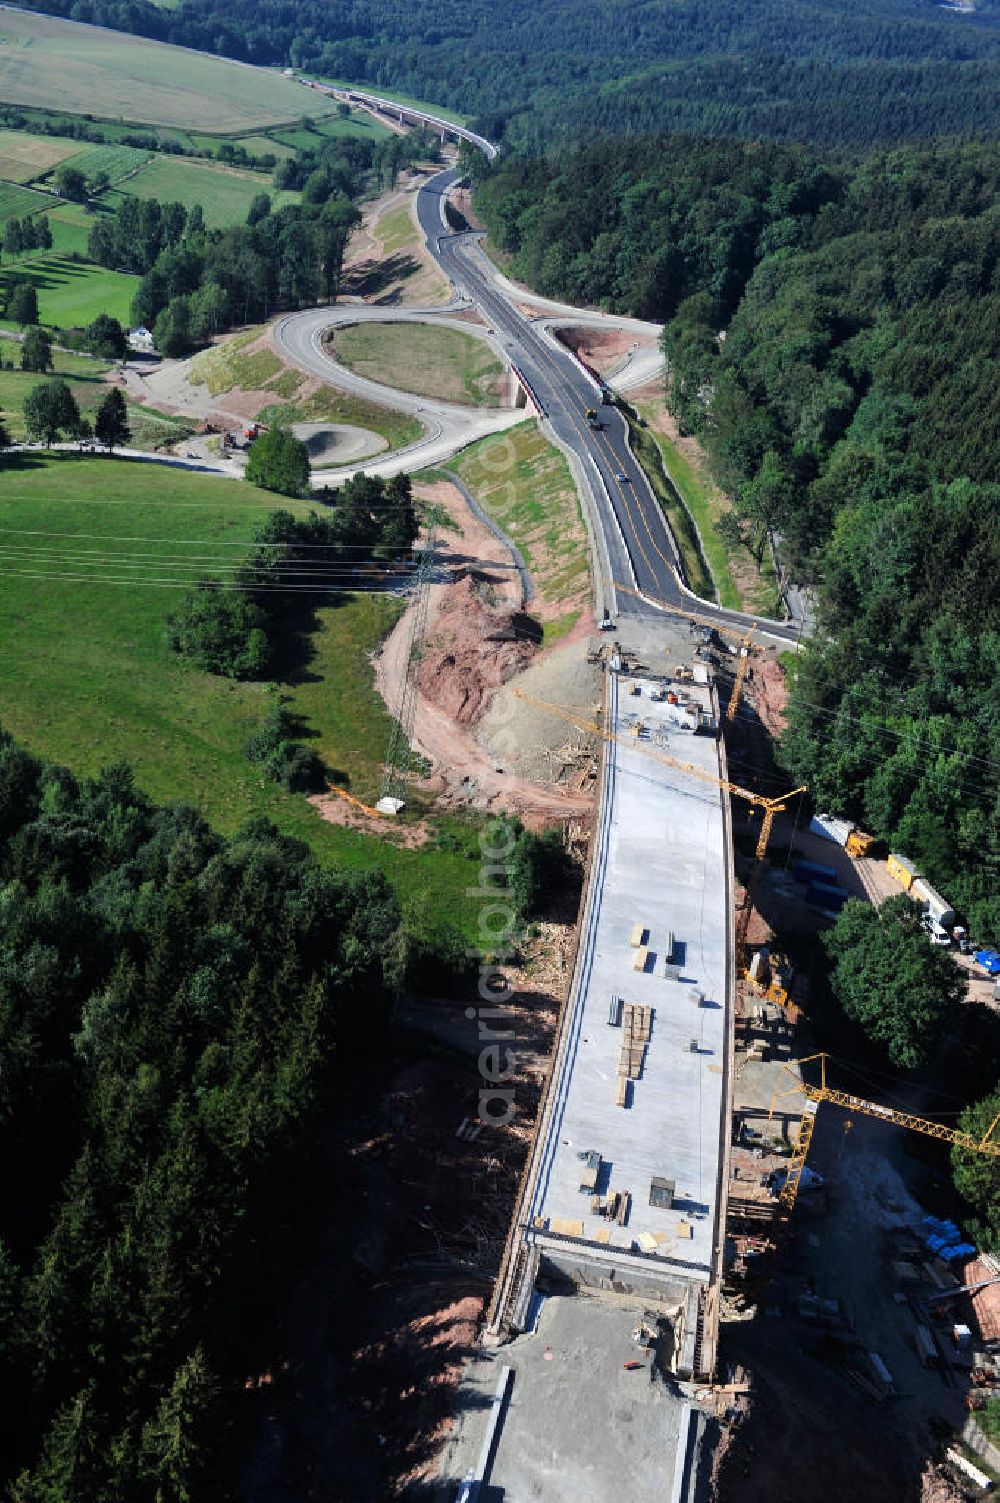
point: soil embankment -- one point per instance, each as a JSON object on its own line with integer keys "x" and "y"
{"x": 606, "y": 351}
{"x": 476, "y": 641}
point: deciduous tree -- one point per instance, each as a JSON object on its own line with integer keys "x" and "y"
{"x": 889, "y": 978}
{"x": 278, "y": 461}
{"x": 50, "y": 408}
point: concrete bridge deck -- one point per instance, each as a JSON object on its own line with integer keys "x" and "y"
{"x": 656, "y": 933}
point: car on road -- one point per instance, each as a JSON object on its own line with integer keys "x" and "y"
{"x": 621, "y": 476}
{"x": 989, "y": 961}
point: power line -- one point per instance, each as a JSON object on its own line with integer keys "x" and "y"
{"x": 113, "y": 537}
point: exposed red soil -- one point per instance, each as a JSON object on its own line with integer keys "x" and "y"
{"x": 460, "y": 670}
{"x": 603, "y": 349}
{"x": 337, "y": 811}
{"x": 461, "y": 674}
{"x": 769, "y": 692}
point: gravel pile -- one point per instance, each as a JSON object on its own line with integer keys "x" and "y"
{"x": 527, "y": 740}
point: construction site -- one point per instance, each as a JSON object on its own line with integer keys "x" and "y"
{"x": 686, "y": 1254}
{"x": 676, "y": 1255}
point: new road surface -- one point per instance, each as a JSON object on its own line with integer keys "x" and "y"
{"x": 639, "y": 544}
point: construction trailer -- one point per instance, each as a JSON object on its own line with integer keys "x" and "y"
{"x": 854, "y": 841}
{"x": 902, "y": 871}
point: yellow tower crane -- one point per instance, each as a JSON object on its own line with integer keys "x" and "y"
{"x": 816, "y": 1094}
{"x": 742, "y": 668}
{"x": 584, "y": 720}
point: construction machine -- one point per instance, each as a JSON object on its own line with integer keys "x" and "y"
{"x": 745, "y": 649}
{"x": 816, "y": 1094}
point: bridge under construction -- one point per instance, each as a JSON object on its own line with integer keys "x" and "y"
{"x": 624, "y": 1189}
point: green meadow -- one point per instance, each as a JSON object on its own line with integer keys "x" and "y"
{"x": 93, "y": 554}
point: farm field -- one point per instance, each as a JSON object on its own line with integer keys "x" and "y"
{"x": 358, "y": 124}
{"x": 296, "y": 139}
{"x": 259, "y": 146}
{"x": 87, "y": 70}
{"x": 73, "y": 292}
{"x": 224, "y": 193}
{"x": 427, "y": 359}
{"x": 23, "y": 157}
{"x": 16, "y": 202}
{"x": 86, "y": 676}
{"x": 115, "y": 162}
{"x": 71, "y": 225}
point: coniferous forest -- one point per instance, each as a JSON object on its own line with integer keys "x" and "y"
{"x": 852, "y": 411}
{"x": 797, "y": 70}
{"x": 173, "y": 1007}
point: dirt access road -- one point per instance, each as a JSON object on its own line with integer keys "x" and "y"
{"x": 811, "y": 1433}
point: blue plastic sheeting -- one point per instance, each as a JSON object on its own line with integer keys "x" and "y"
{"x": 946, "y": 1229}
{"x": 824, "y": 897}
{"x": 814, "y": 869}
{"x": 989, "y": 960}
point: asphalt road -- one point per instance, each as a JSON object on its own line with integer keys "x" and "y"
{"x": 640, "y": 547}
{"x": 447, "y": 426}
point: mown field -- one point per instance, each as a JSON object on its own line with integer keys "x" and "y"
{"x": 83, "y": 374}
{"x": 258, "y": 146}
{"x": 72, "y": 293}
{"x": 70, "y": 224}
{"x": 86, "y": 676}
{"x": 15, "y": 202}
{"x": 225, "y": 193}
{"x": 24, "y": 157}
{"x": 428, "y": 359}
{"x": 359, "y": 123}
{"x": 149, "y": 428}
{"x": 86, "y": 70}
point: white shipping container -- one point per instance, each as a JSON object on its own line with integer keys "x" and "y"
{"x": 830, "y": 828}
{"x": 933, "y": 904}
